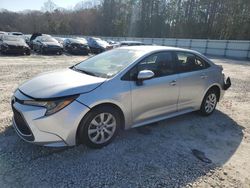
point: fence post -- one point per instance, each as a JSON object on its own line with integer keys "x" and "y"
{"x": 176, "y": 42}
{"x": 248, "y": 53}
{"x": 206, "y": 46}
{"x": 190, "y": 44}
{"x": 226, "y": 48}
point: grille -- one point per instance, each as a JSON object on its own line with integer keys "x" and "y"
{"x": 20, "y": 123}
{"x": 12, "y": 47}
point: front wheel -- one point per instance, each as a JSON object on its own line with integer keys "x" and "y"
{"x": 27, "y": 52}
{"x": 209, "y": 103}
{"x": 100, "y": 126}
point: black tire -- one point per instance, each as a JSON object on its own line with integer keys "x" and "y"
{"x": 27, "y": 52}
{"x": 83, "y": 136}
{"x": 41, "y": 50}
{"x": 203, "y": 109}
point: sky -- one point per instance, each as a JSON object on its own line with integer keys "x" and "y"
{"x": 19, "y": 5}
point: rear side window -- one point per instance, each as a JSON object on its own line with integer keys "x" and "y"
{"x": 188, "y": 62}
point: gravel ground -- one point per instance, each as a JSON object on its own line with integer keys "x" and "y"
{"x": 157, "y": 155}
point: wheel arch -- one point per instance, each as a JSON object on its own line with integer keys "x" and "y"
{"x": 110, "y": 104}
{"x": 217, "y": 88}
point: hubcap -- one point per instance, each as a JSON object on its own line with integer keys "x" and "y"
{"x": 102, "y": 128}
{"x": 210, "y": 103}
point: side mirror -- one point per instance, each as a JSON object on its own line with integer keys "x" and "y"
{"x": 145, "y": 74}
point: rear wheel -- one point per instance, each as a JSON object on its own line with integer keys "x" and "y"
{"x": 100, "y": 126}
{"x": 209, "y": 103}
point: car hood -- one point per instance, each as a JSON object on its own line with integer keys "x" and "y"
{"x": 60, "y": 83}
{"x": 15, "y": 43}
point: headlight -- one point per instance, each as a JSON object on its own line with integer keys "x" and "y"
{"x": 52, "y": 106}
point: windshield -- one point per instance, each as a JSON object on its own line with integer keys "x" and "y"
{"x": 47, "y": 39}
{"x": 83, "y": 40}
{"x": 109, "y": 63}
{"x": 76, "y": 41}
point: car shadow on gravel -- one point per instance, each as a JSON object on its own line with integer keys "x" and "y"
{"x": 156, "y": 155}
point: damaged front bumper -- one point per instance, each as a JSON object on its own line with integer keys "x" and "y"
{"x": 227, "y": 84}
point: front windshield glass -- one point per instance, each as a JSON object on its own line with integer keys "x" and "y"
{"x": 102, "y": 43}
{"x": 109, "y": 63}
{"x": 82, "y": 40}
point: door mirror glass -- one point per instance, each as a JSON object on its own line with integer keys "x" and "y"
{"x": 145, "y": 74}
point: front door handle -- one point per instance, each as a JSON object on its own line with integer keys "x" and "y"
{"x": 173, "y": 83}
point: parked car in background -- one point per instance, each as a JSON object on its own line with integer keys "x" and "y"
{"x": 119, "y": 89}
{"x": 98, "y": 45}
{"x": 47, "y": 45}
{"x": 20, "y": 34}
{"x": 3, "y": 33}
{"x": 131, "y": 43}
{"x": 76, "y": 46}
{"x": 11, "y": 44}
{"x": 33, "y": 37}
{"x": 113, "y": 43}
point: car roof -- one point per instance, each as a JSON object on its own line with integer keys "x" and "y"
{"x": 16, "y": 32}
{"x": 150, "y": 48}
{"x": 147, "y": 49}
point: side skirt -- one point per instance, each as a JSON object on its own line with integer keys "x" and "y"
{"x": 163, "y": 117}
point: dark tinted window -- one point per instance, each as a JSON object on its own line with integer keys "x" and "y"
{"x": 162, "y": 64}
{"x": 187, "y": 62}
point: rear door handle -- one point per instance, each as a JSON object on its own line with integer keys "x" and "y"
{"x": 173, "y": 83}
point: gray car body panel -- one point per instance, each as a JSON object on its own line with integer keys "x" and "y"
{"x": 154, "y": 100}
{"x": 60, "y": 83}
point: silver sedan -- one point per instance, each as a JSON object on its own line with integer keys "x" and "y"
{"x": 120, "y": 89}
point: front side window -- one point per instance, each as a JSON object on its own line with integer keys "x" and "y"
{"x": 161, "y": 64}
{"x": 187, "y": 62}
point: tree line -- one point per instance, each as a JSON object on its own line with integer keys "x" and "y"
{"x": 206, "y": 19}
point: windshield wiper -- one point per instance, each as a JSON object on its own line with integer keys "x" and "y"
{"x": 84, "y": 71}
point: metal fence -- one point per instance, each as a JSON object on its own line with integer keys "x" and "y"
{"x": 225, "y": 48}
